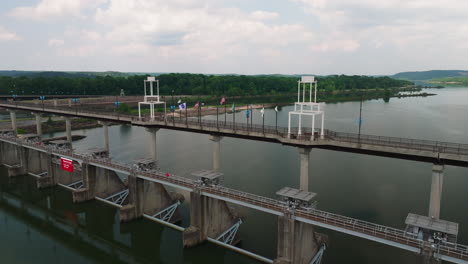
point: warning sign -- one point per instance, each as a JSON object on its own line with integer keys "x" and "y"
{"x": 67, "y": 164}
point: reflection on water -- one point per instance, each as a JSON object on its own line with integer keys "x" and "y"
{"x": 377, "y": 189}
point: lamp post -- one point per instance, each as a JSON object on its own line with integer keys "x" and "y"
{"x": 360, "y": 121}
{"x": 172, "y": 107}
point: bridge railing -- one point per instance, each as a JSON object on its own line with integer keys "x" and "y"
{"x": 418, "y": 144}
{"x": 306, "y": 135}
{"x": 384, "y": 232}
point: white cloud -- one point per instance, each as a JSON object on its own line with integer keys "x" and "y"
{"x": 191, "y": 29}
{"x": 6, "y": 35}
{"x": 56, "y": 42}
{"x": 55, "y": 8}
{"x": 264, "y": 15}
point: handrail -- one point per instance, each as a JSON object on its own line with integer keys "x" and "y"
{"x": 281, "y": 132}
{"x": 364, "y": 227}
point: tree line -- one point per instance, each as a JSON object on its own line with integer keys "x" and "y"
{"x": 188, "y": 84}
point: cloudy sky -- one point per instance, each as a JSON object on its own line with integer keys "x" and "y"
{"x": 234, "y": 36}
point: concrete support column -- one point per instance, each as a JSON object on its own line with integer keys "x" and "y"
{"x": 50, "y": 179}
{"x": 153, "y": 148}
{"x": 209, "y": 217}
{"x": 105, "y": 127}
{"x": 297, "y": 241}
{"x": 436, "y": 190}
{"x": 216, "y": 150}
{"x": 304, "y": 154}
{"x": 89, "y": 178}
{"x": 68, "y": 129}
{"x": 38, "y": 124}
{"x": 14, "y": 124}
{"x": 147, "y": 197}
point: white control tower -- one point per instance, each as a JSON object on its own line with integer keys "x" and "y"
{"x": 305, "y": 106}
{"x": 150, "y": 98}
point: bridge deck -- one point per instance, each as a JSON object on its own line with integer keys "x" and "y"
{"x": 391, "y": 236}
{"x": 412, "y": 149}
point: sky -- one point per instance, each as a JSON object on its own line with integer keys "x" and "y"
{"x": 363, "y": 37}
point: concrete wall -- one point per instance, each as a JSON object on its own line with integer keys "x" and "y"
{"x": 146, "y": 197}
{"x": 38, "y": 162}
{"x": 15, "y": 158}
{"x": 208, "y": 218}
{"x": 297, "y": 242}
{"x": 98, "y": 182}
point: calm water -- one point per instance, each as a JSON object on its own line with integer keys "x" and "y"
{"x": 44, "y": 226}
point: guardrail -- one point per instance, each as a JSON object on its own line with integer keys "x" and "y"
{"x": 267, "y": 131}
{"x": 392, "y": 234}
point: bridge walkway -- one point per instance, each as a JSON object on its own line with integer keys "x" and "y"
{"x": 455, "y": 253}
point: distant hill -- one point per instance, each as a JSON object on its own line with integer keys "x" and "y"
{"x": 428, "y": 75}
{"x": 47, "y": 74}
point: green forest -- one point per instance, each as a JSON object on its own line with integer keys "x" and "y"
{"x": 188, "y": 84}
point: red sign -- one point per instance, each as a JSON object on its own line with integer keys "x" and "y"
{"x": 67, "y": 164}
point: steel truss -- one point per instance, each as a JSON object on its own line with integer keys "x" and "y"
{"x": 118, "y": 198}
{"x": 167, "y": 213}
{"x": 229, "y": 235}
{"x": 76, "y": 185}
{"x": 318, "y": 257}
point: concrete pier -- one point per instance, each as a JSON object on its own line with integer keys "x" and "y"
{"x": 208, "y": 218}
{"x": 38, "y": 124}
{"x": 14, "y": 124}
{"x": 98, "y": 182}
{"x": 153, "y": 144}
{"x": 436, "y": 190}
{"x": 304, "y": 154}
{"x": 216, "y": 151}
{"x": 149, "y": 198}
{"x": 297, "y": 242}
{"x": 105, "y": 133}
{"x": 14, "y": 157}
{"x": 68, "y": 129}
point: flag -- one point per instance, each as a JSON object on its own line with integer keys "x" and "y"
{"x": 66, "y": 164}
{"x": 223, "y": 100}
{"x": 262, "y": 111}
{"x": 196, "y": 105}
{"x": 247, "y": 113}
{"x": 183, "y": 106}
{"x": 180, "y": 101}
{"x": 276, "y": 109}
{"x": 233, "y": 107}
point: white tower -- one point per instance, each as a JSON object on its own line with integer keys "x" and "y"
{"x": 306, "y": 106}
{"x": 151, "y": 99}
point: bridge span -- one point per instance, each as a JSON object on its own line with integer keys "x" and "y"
{"x": 403, "y": 148}
{"x": 451, "y": 252}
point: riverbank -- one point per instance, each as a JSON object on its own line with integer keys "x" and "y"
{"x": 52, "y": 126}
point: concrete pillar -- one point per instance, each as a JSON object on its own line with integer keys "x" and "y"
{"x": 38, "y": 124}
{"x": 68, "y": 129}
{"x": 153, "y": 148}
{"x": 216, "y": 150}
{"x": 14, "y": 125}
{"x": 146, "y": 197}
{"x": 297, "y": 241}
{"x": 50, "y": 179}
{"x": 209, "y": 217}
{"x": 105, "y": 127}
{"x": 304, "y": 154}
{"x": 436, "y": 190}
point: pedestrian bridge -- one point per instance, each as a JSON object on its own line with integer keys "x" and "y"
{"x": 447, "y": 251}
{"x": 404, "y": 148}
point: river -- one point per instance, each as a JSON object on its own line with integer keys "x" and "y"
{"x": 376, "y": 189}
